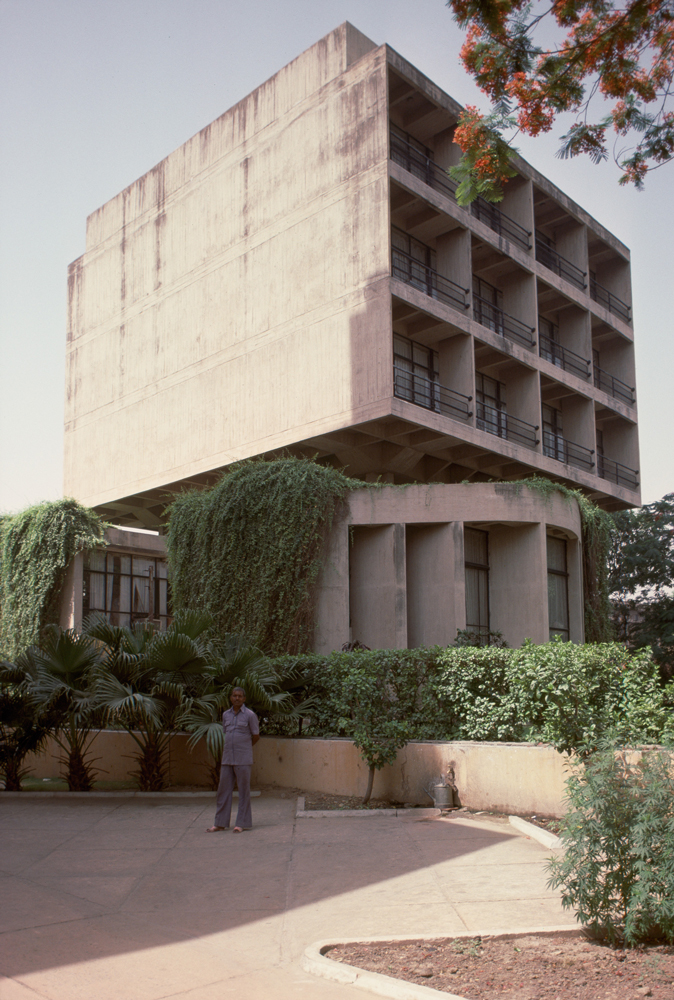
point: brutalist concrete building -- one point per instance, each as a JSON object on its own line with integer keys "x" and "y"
{"x": 298, "y": 278}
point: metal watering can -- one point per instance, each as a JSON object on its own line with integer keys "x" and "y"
{"x": 441, "y": 790}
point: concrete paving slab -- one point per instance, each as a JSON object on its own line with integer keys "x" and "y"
{"x": 199, "y": 915}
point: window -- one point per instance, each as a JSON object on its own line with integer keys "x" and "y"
{"x": 553, "y": 441}
{"x": 490, "y": 407}
{"x": 548, "y": 345}
{"x": 413, "y": 262}
{"x": 476, "y": 557}
{"x": 415, "y": 373}
{"x": 487, "y": 305}
{"x": 126, "y": 588}
{"x": 600, "y": 453}
{"x": 558, "y": 588}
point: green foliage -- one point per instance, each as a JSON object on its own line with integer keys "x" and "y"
{"x": 642, "y": 578}
{"x": 559, "y": 693}
{"x": 62, "y": 666}
{"x": 36, "y": 547}
{"x": 249, "y": 549}
{"x": 24, "y": 724}
{"x": 617, "y": 870}
{"x": 154, "y": 684}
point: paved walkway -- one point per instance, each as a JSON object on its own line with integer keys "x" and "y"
{"x": 129, "y": 899}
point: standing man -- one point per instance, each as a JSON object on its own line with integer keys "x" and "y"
{"x": 242, "y": 731}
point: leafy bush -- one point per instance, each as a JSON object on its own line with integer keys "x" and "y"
{"x": 617, "y": 872}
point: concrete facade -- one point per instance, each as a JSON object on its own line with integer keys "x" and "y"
{"x": 258, "y": 290}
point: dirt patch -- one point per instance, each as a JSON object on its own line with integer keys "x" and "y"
{"x": 317, "y": 800}
{"x": 532, "y": 967}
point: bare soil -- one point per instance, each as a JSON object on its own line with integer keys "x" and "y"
{"x": 317, "y": 800}
{"x": 532, "y": 967}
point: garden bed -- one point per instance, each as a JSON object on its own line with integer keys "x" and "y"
{"x": 528, "y": 967}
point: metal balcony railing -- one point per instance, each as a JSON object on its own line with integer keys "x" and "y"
{"x": 609, "y": 300}
{"x": 494, "y": 421}
{"x": 489, "y": 315}
{"x": 556, "y": 446}
{"x": 617, "y": 473}
{"x": 554, "y": 261}
{"x": 431, "y": 395}
{"x": 562, "y": 357}
{"x": 613, "y": 386}
{"x": 414, "y": 272}
{"x": 423, "y": 167}
{"x": 501, "y": 223}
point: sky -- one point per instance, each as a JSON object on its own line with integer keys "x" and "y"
{"x": 96, "y": 92}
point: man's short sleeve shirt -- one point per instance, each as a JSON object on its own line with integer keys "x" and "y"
{"x": 239, "y": 728}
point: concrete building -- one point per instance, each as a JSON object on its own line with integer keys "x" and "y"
{"x": 298, "y": 278}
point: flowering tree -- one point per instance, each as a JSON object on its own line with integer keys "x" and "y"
{"x": 618, "y": 50}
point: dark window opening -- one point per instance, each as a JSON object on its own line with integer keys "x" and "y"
{"x": 476, "y": 558}
{"x": 558, "y": 589}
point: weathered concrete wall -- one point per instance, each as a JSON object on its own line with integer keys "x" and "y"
{"x": 223, "y": 296}
{"x": 406, "y": 587}
{"x": 508, "y": 777}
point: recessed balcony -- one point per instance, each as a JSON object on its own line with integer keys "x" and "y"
{"x": 494, "y": 318}
{"x": 426, "y": 392}
{"x": 414, "y": 272}
{"x": 500, "y": 423}
{"x": 413, "y": 158}
{"x": 560, "y": 448}
{"x": 613, "y": 386}
{"x": 617, "y": 473}
{"x": 609, "y": 301}
{"x": 549, "y": 257}
{"x": 501, "y": 223}
{"x": 562, "y": 357}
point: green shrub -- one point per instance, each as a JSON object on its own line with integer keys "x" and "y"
{"x": 617, "y": 872}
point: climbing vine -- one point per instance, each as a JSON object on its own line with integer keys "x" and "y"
{"x": 249, "y": 549}
{"x": 36, "y": 547}
{"x": 597, "y": 527}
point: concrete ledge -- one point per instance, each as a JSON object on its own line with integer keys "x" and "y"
{"x": 302, "y": 813}
{"x": 318, "y": 964}
{"x": 543, "y": 837}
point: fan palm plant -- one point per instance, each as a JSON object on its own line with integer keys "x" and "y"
{"x": 64, "y": 665}
{"x": 146, "y": 678}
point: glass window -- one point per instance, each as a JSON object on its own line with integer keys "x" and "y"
{"x": 476, "y": 557}
{"x": 553, "y": 441}
{"x": 415, "y": 373}
{"x": 127, "y": 589}
{"x": 487, "y": 305}
{"x": 490, "y": 406}
{"x": 558, "y": 590}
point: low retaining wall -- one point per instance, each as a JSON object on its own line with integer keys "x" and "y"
{"x": 505, "y": 777}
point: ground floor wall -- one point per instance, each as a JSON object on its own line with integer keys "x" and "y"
{"x": 515, "y": 778}
{"x": 395, "y": 568}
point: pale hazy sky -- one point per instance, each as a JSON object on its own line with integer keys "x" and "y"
{"x": 96, "y": 92}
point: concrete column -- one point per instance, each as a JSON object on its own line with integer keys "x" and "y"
{"x": 377, "y": 594}
{"x": 518, "y": 578}
{"x": 434, "y": 584}
{"x": 332, "y": 598}
{"x": 523, "y": 395}
{"x": 578, "y": 421}
{"x": 453, "y": 256}
{"x": 575, "y": 332}
{"x": 456, "y": 358}
{"x": 574, "y": 567}
{"x": 519, "y": 298}
{"x": 70, "y": 612}
{"x": 572, "y": 244}
{"x": 518, "y": 203}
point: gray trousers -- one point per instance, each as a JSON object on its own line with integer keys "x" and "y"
{"x": 223, "y": 806}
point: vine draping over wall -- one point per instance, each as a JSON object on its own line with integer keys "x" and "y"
{"x": 249, "y": 549}
{"x": 36, "y": 548}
